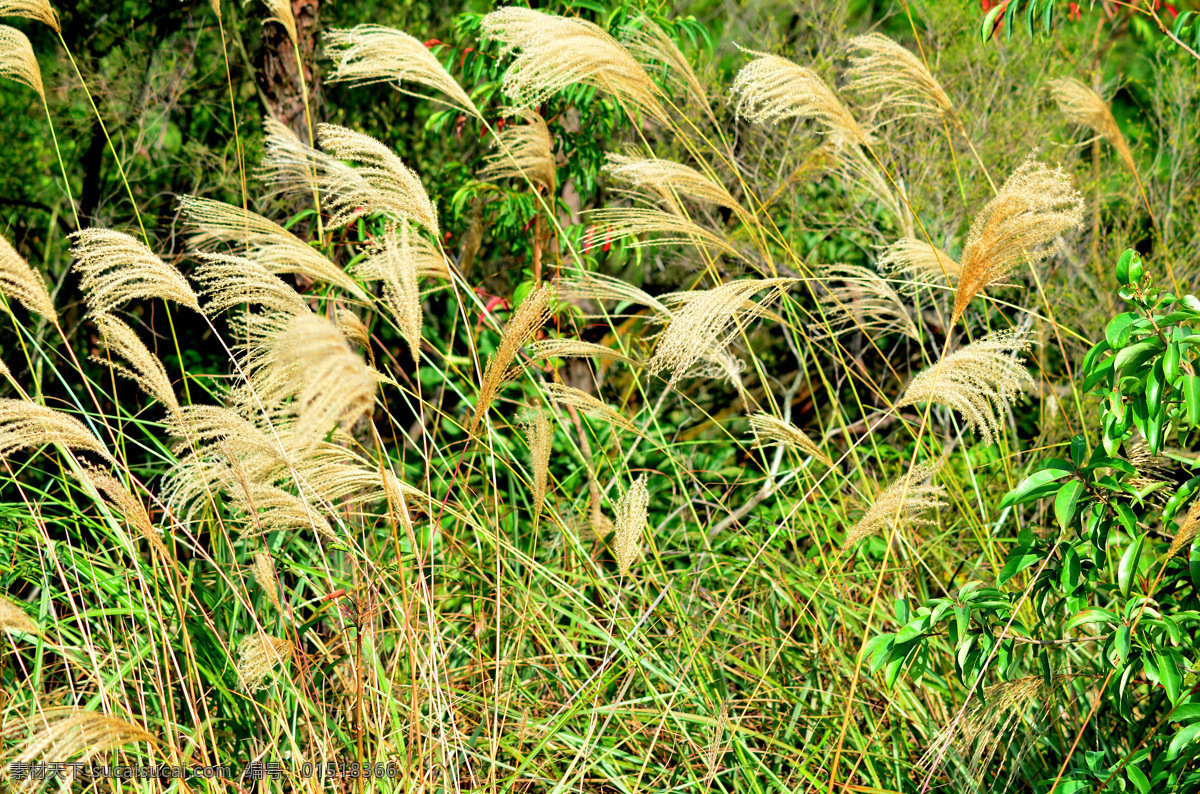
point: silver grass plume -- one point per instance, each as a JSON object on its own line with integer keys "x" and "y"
{"x": 25, "y": 425}
{"x": 114, "y": 268}
{"x": 670, "y": 180}
{"x": 231, "y": 281}
{"x": 21, "y": 282}
{"x": 907, "y": 497}
{"x": 1188, "y": 529}
{"x": 630, "y": 519}
{"x": 583, "y": 285}
{"x": 710, "y": 321}
{"x": 624, "y": 223}
{"x": 592, "y": 406}
{"x": 215, "y": 224}
{"x": 859, "y": 299}
{"x": 15, "y": 619}
{"x": 397, "y": 260}
{"x": 979, "y": 381}
{"x": 648, "y": 42}
{"x": 528, "y": 318}
{"x": 574, "y": 348}
{"x": 368, "y": 54}
{"x": 771, "y": 89}
{"x": 40, "y": 10}
{"x": 281, "y": 11}
{"x": 258, "y": 656}
{"x": 769, "y": 430}
{"x": 383, "y": 183}
{"x": 526, "y": 151}
{"x": 1084, "y": 106}
{"x": 1035, "y": 205}
{"x": 118, "y": 498}
{"x": 263, "y": 569}
{"x": 68, "y": 733}
{"x": 899, "y": 77}
{"x": 289, "y": 165}
{"x": 17, "y": 61}
{"x": 380, "y": 262}
{"x": 539, "y": 437}
{"x": 921, "y": 261}
{"x": 557, "y": 52}
{"x": 352, "y": 327}
{"x": 140, "y": 365}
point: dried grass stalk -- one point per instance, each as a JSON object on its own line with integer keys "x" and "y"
{"x": 862, "y": 300}
{"x": 17, "y": 61}
{"x": 368, "y": 54}
{"x": 1035, "y": 205}
{"x": 398, "y": 259}
{"x": 907, "y": 498}
{"x": 769, "y": 430}
{"x": 383, "y": 183}
{"x": 65, "y": 733}
{"x": 528, "y": 318}
{"x": 215, "y": 224}
{"x": 630, "y": 520}
{"x": 670, "y": 180}
{"x": 15, "y": 619}
{"x": 771, "y": 89}
{"x": 123, "y": 503}
{"x": 526, "y": 151}
{"x": 899, "y": 77}
{"x": 648, "y": 42}
{"x": 539, "y": 437}
{"x": 231, "y": 281}
{"x": 263, "y": 569}
{"x": 710, "y": 321}
{"x": 21, "y": 282}
{"x": 623, "y": 223}
{"x": 25, "y": 425}
{"x": 574, "y": 348}
{"x": 141, "y": 366}
{"x": 114, "y": 268}
{"x": 1084, "y": 106}
{"x": 979, "y": 381}
{"x": 592, "y": 406}
{"x": 921, "y": 261}
{"x": 40, "y": 10}
{"x": 258, "y": 656}
{"x": 557, "y": 52}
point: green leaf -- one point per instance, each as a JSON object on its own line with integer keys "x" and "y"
{"x": 1070, "y": 570}
{"x": 1169, "y": 675}
{"x": 1132, "y": 357}
{"x": 989, "y": 23}
{"x": 1118, "y": 330}
{"x": 1127, "y": 568}
{"x": 1065, "y": 502}
{"x": 1191, "y": 398}
{"x": 1016, "y": 563}
{"x": 1028, "y": 490}
{"x": 1182, "y": 739}
{"x": 1138, "y": 778}
{"x": 913, "y": 630}
{"x": 1123, "y": 263}
{"x": 1093, "y": 615}
{"x": 1123, "y": 640}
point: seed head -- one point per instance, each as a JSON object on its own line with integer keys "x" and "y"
{"x": 21, "y": 282}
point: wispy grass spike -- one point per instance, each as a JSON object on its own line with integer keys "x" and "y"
{"x": 670, "y": 180}
{"x": 40, "y": 10}
{"x": 899, "y": 77}
{"x": 859, "y": 299}
{"x": 21, "y": 282}
{"x": 1084, "y": 106}
{"x": 630, "y": 519}
{"x": 539, "y": 437}
{"x": 907, "y": 497}
{"x": 25, "y": 425}
{"x": 526, "y": 151}
{"x": 141, "y": 366}
{"x": 769, "y": 430}
{"x": 770, "y": 89}
{"x": 530, "y": 315}
{"x": 115, "y": 268}
{"x": 17, "y": 61}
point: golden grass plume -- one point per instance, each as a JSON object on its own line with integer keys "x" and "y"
{"x": 979, "y": 381}
{"x": 526, "y": 151}
{"x": 921, "y": 261}
{"x": 529, "y": 317}
{"x": 670, "y": 181}
{"x": 15, "y": 619}
{"x": 114, "y": 268}
{"x": 263, "y": 569}
{"x": 539, "y": 437}
{"x": 40, "y": 10}
{"x": 574, "y": 348}
{"x": 141, "y": 366}
{"x": 592, "y": 406}
{"x": 557, "y": 52}
{"x": 1084, "y": 106}
{"x": 770, "y": 89}
{"x": 230, "y": 281}
{"x": 17, "y": 61}
{"x": 630, "y": 223}
{"x": 65, "y": 733}
{"x": 25, "y": 425}
{"x": 858, "y": 299}
{"x": 281, "y": 11}
{"x": 1036, "y": 204}
{"x": 907, "y": 497}
{"x": 368, "y": 54}
{"x": 1189, "y": 527}
{"x": 648, "y": 42}
{"x": 125, "y": 504}
{"x": 258, "y": 656}
{"x": 21, "y": 282}
{"x": 899, "y": 77}
{"x": 630, "y": 519}
{"x": 769, "y": 430}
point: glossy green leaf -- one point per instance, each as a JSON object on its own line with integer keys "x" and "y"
{"x": 1127, "y": 568}
{"x": 1065, "y": 502}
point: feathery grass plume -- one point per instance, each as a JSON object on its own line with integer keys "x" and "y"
{"x": 335, "y": 387}
{"x": 142, "y": 367}
{"x": 710, "y": 321}
{"x": 125, "y": 504}
{"x": 270, "y": 508}
{"x": 857, "y": 169}
{"x": 539, "y": 436}
{"x": 281, "y": 11}
{"x": 621, "y": 223}
{"x": 352, "y": 327}
{"x": 557, "y": 52}
{"x": 230, "y": 281}
{"x": 530, "y": 316}
{"x": 40, "y": 10}
{"x": 648, "y": 42}
{"x": 291, "y": 166}
{"x": 862, "y": 300}
{"x": 668, "y": 180}
{"x": 716, "y": 747}
{"x": 368, "y": 54}
{"x": 1035, "y": 205}
{"x": 114, "y": 268}
{"x": 771, "y": 89}
{"x": 630, "y": 519}
{"x": 908, "y": 496}
{"x": 584, "y": 285}
{"x": 25, "y": 425}
{"x": 592, "y": 406}
{"x": 978, "y": 381}
{"x": 899, "y": 77}
{"x": 391, "y": 187}
{"x": 21, "y": 282}
{"x": 922, "y": 262}
{"x": 4, "y": 370}
{"x": 17, "y": 61}
{"x": 15, "y": 619}
{"x": 263, "y": 569}
{"x": 215, "y": 224}
{"x": 68, "y": 733}
{"x": 526, "y": 151}
{"x": 1188, "y": 529}
{"x": 769, "y": 430}
{"x": 1085, "y": 107}
{"x": 397, "y": 260}
{"x": 258, "y": 655}
{"x": 573, "y": 348}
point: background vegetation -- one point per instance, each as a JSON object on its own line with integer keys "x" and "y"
{"x": 638, "y": 439}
